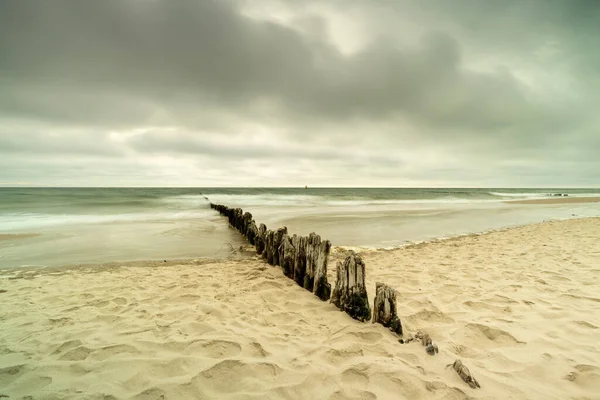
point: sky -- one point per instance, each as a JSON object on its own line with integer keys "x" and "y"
{"x": 385, "y": 93}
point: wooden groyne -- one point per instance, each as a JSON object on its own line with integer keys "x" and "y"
{"x": 304, "y": 259}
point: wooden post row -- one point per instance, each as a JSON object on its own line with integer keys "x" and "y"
{"x": 303, "y": 259}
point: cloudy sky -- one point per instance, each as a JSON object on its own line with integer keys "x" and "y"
{"x": 288, "y": 93}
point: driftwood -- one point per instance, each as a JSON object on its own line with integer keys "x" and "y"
{"x": 465, "y": 374}
{"x": 350, "y": 294}
{"x": 385, "y": 309}
{"x": 426, "y": 340}
{"x": 432, "y": 349}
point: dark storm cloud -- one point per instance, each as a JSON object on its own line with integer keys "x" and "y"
{"x": 209, "y": 53}
{"x": 200, "y": 71}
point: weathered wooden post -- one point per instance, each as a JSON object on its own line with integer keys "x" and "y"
{"x": 252, "y": 232}
{"x": 246, "y": 220}
{"x": 268, "y": 251}
{"x": 385, "y": 309}
{"x": 277, "y": 239}
{"x": 322, "y": 288}
{"x": 260, "y": 240}
{"x": 299, "y": 243}
{"x": 287, "y": 255}
{"x": 465, "y": 374}
{"x": 238, "y": 219}
{"x": 309, "y": 273}
{"x": 350, "y": 293}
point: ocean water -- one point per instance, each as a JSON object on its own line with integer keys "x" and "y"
{"x": 60, "y": 226}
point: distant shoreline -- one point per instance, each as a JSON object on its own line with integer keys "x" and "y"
{"x": 561, "y": 200}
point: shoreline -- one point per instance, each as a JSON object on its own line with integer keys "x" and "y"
{"x": 238, "y": 328}
{"x": 557, "y": 200}
{"x": 247, "y": 251}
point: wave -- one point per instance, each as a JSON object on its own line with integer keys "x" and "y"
{"x": 27, "y": 221}
{"x": 539, "y": 195}
{"x": 333, "y": 201}
{"x": 525, "y": 195}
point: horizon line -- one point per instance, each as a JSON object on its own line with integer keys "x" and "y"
{"x": 2, "y": 186}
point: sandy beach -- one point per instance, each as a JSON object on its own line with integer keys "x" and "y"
{"x": 520, "y": 307}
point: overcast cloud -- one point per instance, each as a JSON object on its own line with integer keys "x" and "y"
{"x": 283, "y": 93}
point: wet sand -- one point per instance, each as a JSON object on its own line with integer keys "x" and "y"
{"x": 520, "y": 307}
{"x": 557, "y": 200}
{"x": 16, "y": 236}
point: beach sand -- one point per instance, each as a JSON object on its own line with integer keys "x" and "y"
{"x": 520, "y": 307}
{"x": 557, "y": 200}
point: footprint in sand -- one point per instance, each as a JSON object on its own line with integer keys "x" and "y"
{"x": 250, "y": 376}
{"x": 100, "y": 303}
{"x": 60, "y": 321}
{"x": 405, "y": 387}
{"x": 9, "y": 374}
{"x": 365, "y": 337}
{"x": 585, "y": 375}
{"x": 449, "y": 392}
{"x": 151, "y": 394}
{"x": 68, "y": 345}
{"x": 336, "y": 356}
{"x": 478, "y": 332}
{"x": 256, "y": 350}
{"x": 115, "y": 350}
{"x": 120, "y": 300}
{"x": 266, "y": 285}
{"x": 431, "y": 316}
{"x": 77, "y": 354}
{"x": 220, "y": 349}
{"x": 35, "y": 383}
{"x": 354, "y": 376}
{"x": 359, "y": 395}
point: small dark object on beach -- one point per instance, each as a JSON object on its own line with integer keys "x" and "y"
{"x": 165, "y": 260}
{"x": 426, "y": 341}
{"x": 4, "y": 395}
{"x": 401, "y": 341}
{"x": 3, "y": 290}
{"x": 465, "y": 374}
{"x": 432, "y": 349}
{"x": 419, "y": 335}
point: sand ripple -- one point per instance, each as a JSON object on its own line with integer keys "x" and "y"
{"x": 520, "y": 307}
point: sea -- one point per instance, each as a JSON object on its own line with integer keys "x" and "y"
{"x": 42, "y": 227}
